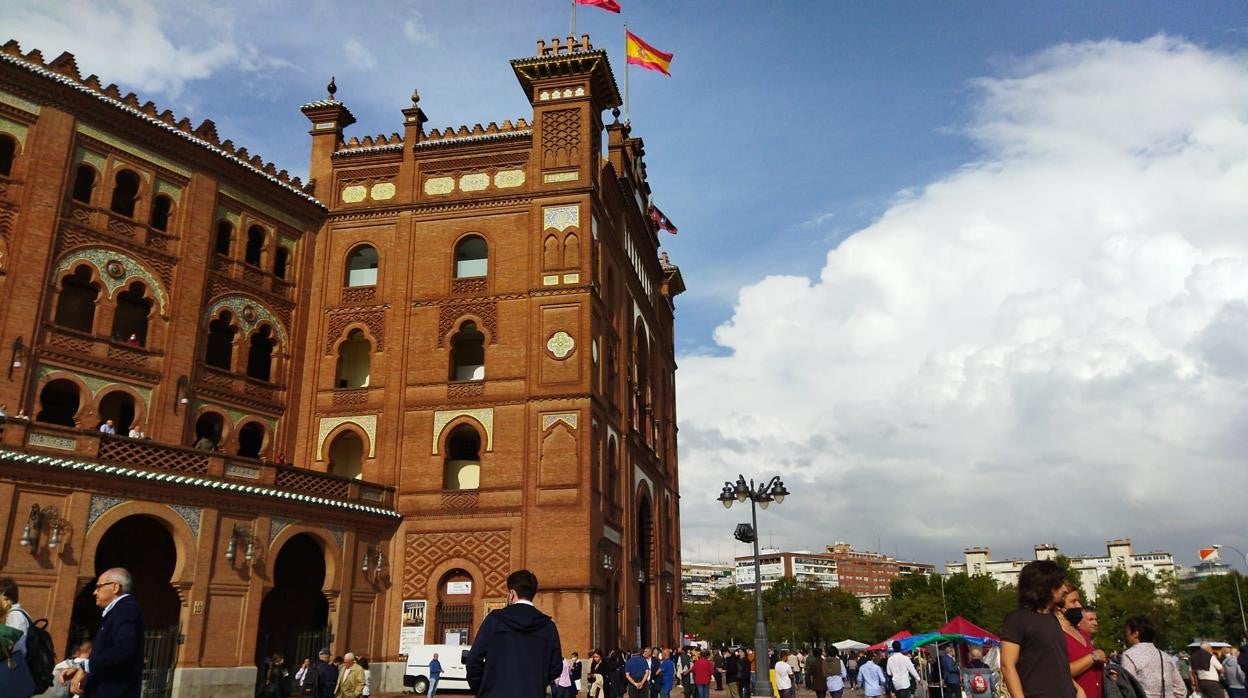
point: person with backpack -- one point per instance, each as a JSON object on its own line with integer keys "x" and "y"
{"x": 835, "y": 674}
{"x": 16, "y": 678}
{"x": 816, "y": 670}
{"x": 977, "y": 678}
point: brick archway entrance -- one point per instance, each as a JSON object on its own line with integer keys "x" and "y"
{"x": 144, "y": 546}
{"x": 294, "y": 615}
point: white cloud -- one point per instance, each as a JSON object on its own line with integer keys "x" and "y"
{"x": 1048, "y": 344}
{"x": 126, "y": 42}
{"x": 417, "y": 31}
{"x": 358, "y": 55}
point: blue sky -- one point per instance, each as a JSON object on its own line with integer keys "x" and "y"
{"x": 788, "y": 128}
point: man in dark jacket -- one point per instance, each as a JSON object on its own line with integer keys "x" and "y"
{"x": 115, "y": 668}
{"x": 327, "y": 674}
{"x": 516, "y": 653}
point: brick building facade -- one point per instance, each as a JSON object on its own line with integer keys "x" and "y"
{"x": 463, "y": 340}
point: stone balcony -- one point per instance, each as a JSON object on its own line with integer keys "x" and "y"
{"x": 120, "y": 226}
{"x": 145, "y": 459}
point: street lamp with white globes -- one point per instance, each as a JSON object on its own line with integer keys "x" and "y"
{"x": 758, "y": 496}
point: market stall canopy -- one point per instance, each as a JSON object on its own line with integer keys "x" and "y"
{"x": 962, "y": 626}
{"x": 886, "y": 644}
{"x": 847, "y": 644}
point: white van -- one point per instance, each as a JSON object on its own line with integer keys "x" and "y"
{"x": 454, "y": 675}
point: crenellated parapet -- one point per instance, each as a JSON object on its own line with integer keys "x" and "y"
{"x": 64, "y": 70}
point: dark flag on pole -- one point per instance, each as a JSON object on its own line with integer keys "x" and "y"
{"x": 661, "y": 220}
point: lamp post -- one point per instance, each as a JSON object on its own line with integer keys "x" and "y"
{"x": 759, "y": 496}
{"x": 1238, "y": 597}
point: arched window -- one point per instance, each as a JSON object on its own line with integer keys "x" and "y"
{"x": 255, "y": 245}
{"x": 280, "y": 261}
{"x": 613, "y": 471}
{"x": 84, "y": 182}
{"x": 571, "y": 251}
{"x": 354, "y": 358}
{"x": 130, "y": 317}
{"x": 463, "y": 459}
{"x": 550, "y": 253}
{"x": 471, "y": 257}
{"x": 8, "y": 153}
{"x": 346, "y": 455}
{"x": 220, "y": 349}
{"x": 125, "y": 193}
{"x": 250, "y": 440}
{"x": 118, "y": 406}
{"x": 208, "y": 430}
{"x": 162, "y": 210}
{"x": 468, "y": 353}
{"x": 260, "y": 355}
{"x": 362, "y": 266}
{"x": 58, "y": 403}
{"x": 75, "y": 308}
{"x": 225, "y": 232}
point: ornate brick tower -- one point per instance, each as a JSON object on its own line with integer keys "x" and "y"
{"x": 492, "y": 332}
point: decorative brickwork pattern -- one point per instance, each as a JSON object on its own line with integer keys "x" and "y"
{"x": 344, "y": 398}
{"x": 70, "y": 343}
{"x": 459, "y": 501}
{"x": 7, "y": 216}
{"x": 561, "y": 138}
{"x": 450, "y": 312}
{"x": 488, "y": 550}
{"x": 372, "y": 318}
{"x": 473, "y": 163}
{"x": 128, "y": 356}
{"x": 259, "y": 391}
{"x": 358, "y": 294}
{"x": 469, "y": 287}
{"x": 465, "y": 389}
{"x": 310, "y": 482}
{"x": 217, "y": 379}
{"x": 145, "y": 454}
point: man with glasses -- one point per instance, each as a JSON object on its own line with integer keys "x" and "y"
{"x": 115, "y": 667}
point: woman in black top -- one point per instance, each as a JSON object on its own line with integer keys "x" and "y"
{"x": 1033, "y": 646}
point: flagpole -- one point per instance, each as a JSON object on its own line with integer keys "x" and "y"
{"x": 626, "y": 64}
{"x": 573, "y": 32}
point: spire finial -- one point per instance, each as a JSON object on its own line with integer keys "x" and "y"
{"x": 415, "y": 98}
{"x": 332, "y": 88}
{"x": 615, "y": 112}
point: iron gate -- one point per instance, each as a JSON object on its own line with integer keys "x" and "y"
{"x": 160, "y": 654}
{"x": 454, "y": 617}
{"x": 307, "y": 645}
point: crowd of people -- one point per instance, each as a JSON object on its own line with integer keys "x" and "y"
{"x": 1047, "y": 648}
{"x": 343, "y": 676}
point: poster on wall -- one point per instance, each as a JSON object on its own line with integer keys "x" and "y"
{"x": 412, "y": 632}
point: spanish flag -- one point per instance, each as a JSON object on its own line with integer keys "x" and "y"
{"x": 643, "y": 54}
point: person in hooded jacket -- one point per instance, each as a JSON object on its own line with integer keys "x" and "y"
{"x": 516, "y": 652}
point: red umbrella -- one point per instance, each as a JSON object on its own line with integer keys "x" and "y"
{"x": 962, "y": 626}
{"x": 885, "y": 644}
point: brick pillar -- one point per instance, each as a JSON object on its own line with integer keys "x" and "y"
{"x": 49, "y": 146}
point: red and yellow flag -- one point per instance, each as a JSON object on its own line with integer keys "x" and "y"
{"x": 643, "y": 54}
{"x": 608, "y": 5}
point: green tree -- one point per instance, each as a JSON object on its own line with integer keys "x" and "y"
{"x": 1120, "y": 595}
{"x": 805, "y": 613}
{"x": 727, "y": 617}
{"x": 1210, "y": 609}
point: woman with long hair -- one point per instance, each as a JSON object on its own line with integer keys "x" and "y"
{"x": 1033, "y": 646}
